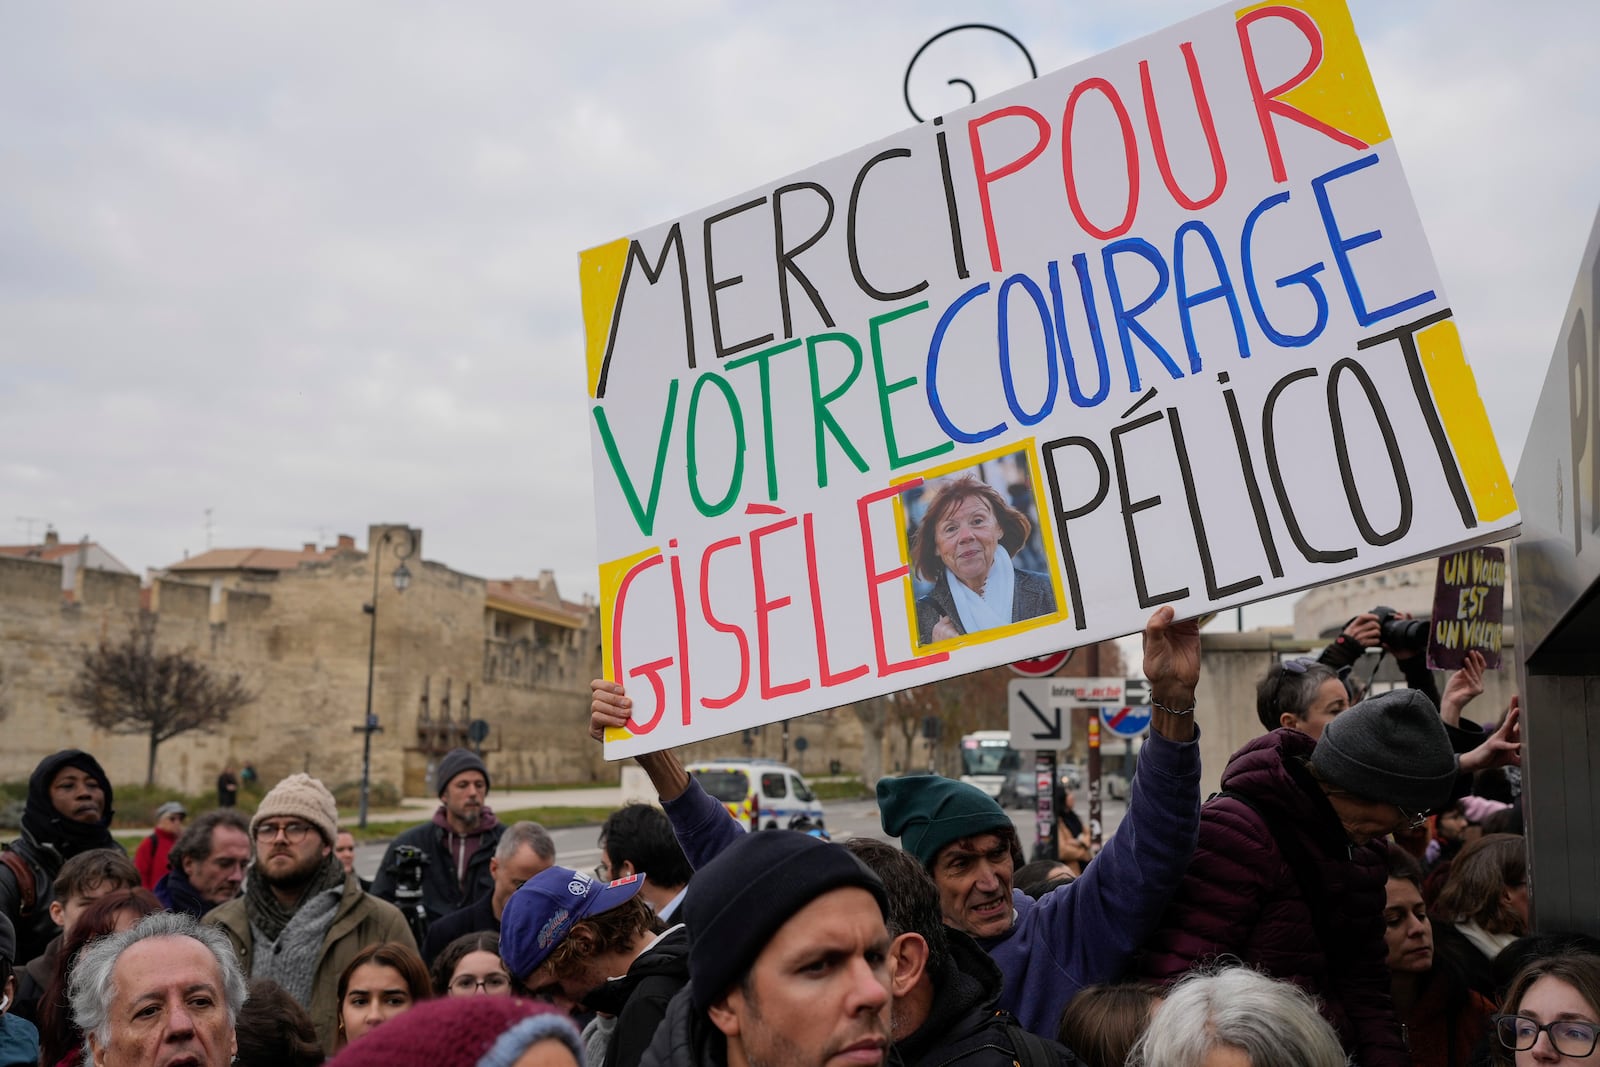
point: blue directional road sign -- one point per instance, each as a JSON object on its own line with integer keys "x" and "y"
{"x": 1126, "y": 721}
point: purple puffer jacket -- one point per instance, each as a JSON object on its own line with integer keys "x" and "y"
{"x": 1240, "y": 898}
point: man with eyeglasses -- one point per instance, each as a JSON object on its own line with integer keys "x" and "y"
{"x": 302, "y": 917}
{"x": 1290, "y": 871}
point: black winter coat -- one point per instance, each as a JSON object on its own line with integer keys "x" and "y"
{"x": 1245, "y": 895}
{"x": 639, "y": 998}
{"x": 964, "y": 1026}
{"x": 441, "y": 893}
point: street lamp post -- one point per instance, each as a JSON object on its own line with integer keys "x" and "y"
{"x": 402, "y": 579}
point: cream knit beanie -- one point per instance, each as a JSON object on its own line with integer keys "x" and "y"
{"x": 302, "y": 797}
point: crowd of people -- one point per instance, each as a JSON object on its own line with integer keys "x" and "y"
{"x": 1356, "y": 893}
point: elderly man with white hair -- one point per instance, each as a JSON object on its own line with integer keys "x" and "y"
{"x": 167, "y": 991}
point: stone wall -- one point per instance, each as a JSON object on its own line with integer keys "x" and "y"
{"x": 301, "y": 643}
{"x": 43, "y": 636}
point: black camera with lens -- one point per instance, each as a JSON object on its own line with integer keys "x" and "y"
{"x": 406, "y": 870}
{"x": 1401, "y": 635}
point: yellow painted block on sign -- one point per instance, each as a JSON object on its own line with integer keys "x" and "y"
{"x": 1466, "y": 423}
{"x": 600, "y": 275}
{"x": 612, "y": 575}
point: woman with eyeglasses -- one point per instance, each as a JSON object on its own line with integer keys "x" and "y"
{"x": 1552, "y": 1012}
{"x": 470, "y": 965}
{"x": 383, "y": 981}
{"x": 1289, "y": 871}
{"x": 1483, "y": 906}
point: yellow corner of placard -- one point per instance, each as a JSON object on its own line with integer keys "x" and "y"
{"x": 611, "y": 577}
{"x": 1466, "y": 423}
{"x": 1340, "y": 91}
{"x": 600, "y": 275}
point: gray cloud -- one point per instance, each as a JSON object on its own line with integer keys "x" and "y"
{"x": 313, "y": 266}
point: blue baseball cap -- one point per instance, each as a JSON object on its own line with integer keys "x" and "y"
{"x": 541, "y": 914}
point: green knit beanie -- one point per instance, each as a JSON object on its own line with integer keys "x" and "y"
{"x": 927, "y": 812}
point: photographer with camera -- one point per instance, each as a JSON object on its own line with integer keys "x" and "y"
{"x": 1406, "y": 639}
{"x": 442, "y": 865}
{"x": 1394, "y": 632}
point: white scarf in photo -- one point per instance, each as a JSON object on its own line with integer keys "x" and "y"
{"x": 993, "y": 608}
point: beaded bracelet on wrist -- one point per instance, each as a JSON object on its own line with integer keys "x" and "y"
{"x": 1174, "y": 711}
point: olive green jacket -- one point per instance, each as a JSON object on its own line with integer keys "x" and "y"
{"x": 360, "y": 920}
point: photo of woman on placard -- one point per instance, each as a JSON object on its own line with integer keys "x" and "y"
{"x": 965, "y": 545}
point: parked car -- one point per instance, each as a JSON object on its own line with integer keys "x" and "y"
{"x": 1073, "y": 775}
{"x": 1020, "y": 789}
{"x": 760, "y": 794}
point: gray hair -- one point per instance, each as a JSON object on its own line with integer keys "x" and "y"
{"x": 91, "y": 990}
{"x": 531, "y": 834}
{"x": 1274, "y": 1023}
{"x": 1290, "y": 687}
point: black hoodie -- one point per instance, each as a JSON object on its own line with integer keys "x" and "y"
{"x": 48, "y": 840}
{"x": 639, "y": 998}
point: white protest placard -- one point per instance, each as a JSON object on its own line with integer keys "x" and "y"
{"x": 1158, "y": 328}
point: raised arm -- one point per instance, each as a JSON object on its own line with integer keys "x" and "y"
{"x": 1464, "y": 686}
{"x": 610, "y": 707}
{"x": 1126, "y": 889}
{"x": 1172, "y": 664}
{"x": 701, "y": 824}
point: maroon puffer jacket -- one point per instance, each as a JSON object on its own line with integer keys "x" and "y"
{"x": 1240, "y": 898}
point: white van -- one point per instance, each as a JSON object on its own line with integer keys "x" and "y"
{"x": 760, "y": 794}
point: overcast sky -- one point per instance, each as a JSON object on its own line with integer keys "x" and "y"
{"x": 313, "y": 266}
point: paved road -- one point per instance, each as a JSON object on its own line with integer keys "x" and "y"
{"x": 576, "y": 847}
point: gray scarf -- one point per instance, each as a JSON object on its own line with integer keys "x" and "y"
{"x": 287, "y": 943}
{"x": 597, "y": 1038}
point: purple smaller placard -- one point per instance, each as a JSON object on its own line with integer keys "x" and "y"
{"x": 1468, "y": 600}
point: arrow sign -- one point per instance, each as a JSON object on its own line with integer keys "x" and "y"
{"x": 1051, "y": 724}
{"x": 1036, "y": 715}
{"x": 1135, "y": 691}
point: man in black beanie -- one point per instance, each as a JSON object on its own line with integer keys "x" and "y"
{"x": 789, "y": 964}
{"x": 457, "y": 842}
{"x": 68, "y": 811}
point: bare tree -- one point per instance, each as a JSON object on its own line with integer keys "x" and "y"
{"x": 130, "y": 688}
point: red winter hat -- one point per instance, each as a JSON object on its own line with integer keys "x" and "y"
{"x": 461, "y": 1032}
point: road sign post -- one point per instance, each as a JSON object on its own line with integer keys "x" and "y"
{"x": 1094, "y": 782}
{"x": 1044, "y": 780}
